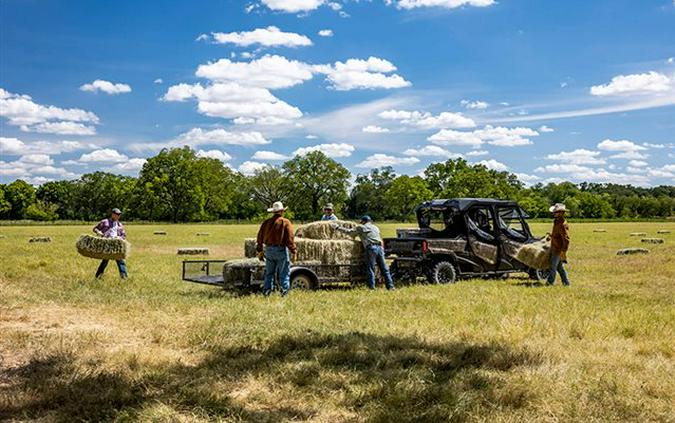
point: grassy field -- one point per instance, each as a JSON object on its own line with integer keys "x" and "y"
{"x": 153, "y": 348}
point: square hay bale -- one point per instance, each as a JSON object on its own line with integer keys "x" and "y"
{"x": 599, "y": 230}
{"x": 40, "y": 239}
{"x": 663, "y": 231}
{"x": 249, "y": 247}
{"x": 103, "y": 248}
{"x": 159, "y": 233}
{"x": 203, "y": 234}
{"x": 630, "y": 251}
{"x": 337, "y": 251}
{"x": 638, "y": 234}
{"x": 192, "y": 251}
{"x": 511, "y": 248}
{"x": 536, "y": 255}
{"x": 237, "y": 270}
{"x": 652, "y": 240}
{"x": 323, "y": 230}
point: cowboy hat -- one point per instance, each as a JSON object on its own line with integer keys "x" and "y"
{"x": 276, "y": 207}
{"x": 329, "y": 206}
{"x": 557, "y": 207}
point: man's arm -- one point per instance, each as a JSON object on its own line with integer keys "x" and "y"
{"x": 261, "y": 237}
{"x": 351, "y": 232}
{"x": 121, "y": 232}
{"x": 289, "y": 235}
{"x": 98, "y": 229}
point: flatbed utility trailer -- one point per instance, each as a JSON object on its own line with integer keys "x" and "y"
{"x": 250, "y": 277}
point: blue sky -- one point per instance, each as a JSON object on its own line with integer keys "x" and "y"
{"x": 575, "y": 90}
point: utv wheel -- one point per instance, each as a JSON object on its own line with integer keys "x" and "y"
{"x": 442, "y": 272}
{"x": 539, "y": 275}
{"x": 302, "y": 281}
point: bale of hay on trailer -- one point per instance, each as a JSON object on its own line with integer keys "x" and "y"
{"x": 652, "y": 240}
{"x": 40, "y": 239}
{"x": 324, "y": 230}
{"x": 249, "y": 247}
{"x": 238, "y": 270}
{"x": 103, "y": 248}
{"x": 326, "y": 251}
{"x": 630, "y": 251}
{"x": 191, "y": 251}
{"x": 536, "y": 255}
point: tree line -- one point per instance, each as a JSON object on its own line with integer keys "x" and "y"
{"x": 178, "y": 186}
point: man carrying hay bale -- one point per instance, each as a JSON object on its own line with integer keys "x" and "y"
{"x": 560, "y": 241}
{"x": 328, "y": 212}
{"x": 112, "y": 228}
{"x": 276, "y": 237}
{"x": 372, "y": 242}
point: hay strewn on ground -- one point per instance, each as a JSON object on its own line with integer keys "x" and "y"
{"x": 536, "y": 255}
{"x": 193, "y": 251}
{"x": 103, "y": 248}
{"x": 323, "y": 230}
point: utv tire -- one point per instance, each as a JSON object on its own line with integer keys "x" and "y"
{"x": 441, "y": 273}
{"x": 539, "y": 275}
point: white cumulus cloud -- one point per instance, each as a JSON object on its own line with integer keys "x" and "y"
{"x": 106, "y": 87}
{"x": 578, "y": 156}
{"x": 494, "y": 165}
{"x": 355, "y": 74}
{"x": 477, "y": 104}
{"x": 426, "y": 120}
{"x": 15, "y": 146}
{"x": 265, "y": 37}
{"x": 446, "y": 4}
{"x": 636, "y": 84}
{"x": 249, "y": 168}
{"x": 268, "y": 156}
{"x": 105, "y": 155}
{"x": 621, "y": 145}
{"x": 269, "y": 71}
{"x": 333, "y": 150}
{"x": 379, "y": 160}
{"x": 293, "y": 6}
{"x": 214, "y": 154}
{"x": 373, "y": 129}
{"x": 431, "y": 151}
{"x": 326, "y": 33}
{"x": 60, "y": 128}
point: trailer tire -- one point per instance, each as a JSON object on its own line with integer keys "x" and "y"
{"x": 539, "y": 275}
{"x": 303, "y": 281}
{"x": 441, "y": 273}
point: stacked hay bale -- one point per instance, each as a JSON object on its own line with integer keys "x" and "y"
{"x": 319, "y": 242}
{"x": 536, "y": 255}
{"x": 103, "y": 248}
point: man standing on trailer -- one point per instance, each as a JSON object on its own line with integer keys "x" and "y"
{"x": 374, "y": 246}
{"x": 275, "y": 245}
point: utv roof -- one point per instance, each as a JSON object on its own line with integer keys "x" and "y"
{"x": 462, "y": 204}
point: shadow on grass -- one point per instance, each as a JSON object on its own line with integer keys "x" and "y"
{"x": 380, "y": 378}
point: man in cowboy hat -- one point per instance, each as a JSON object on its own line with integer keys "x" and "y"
{"x": 112, "y": 228}
{"x": 274, "y": 243}
{"x": 560, "y": 241}
{"x": 328, "y": 212}
{"x": 372, "y": 242}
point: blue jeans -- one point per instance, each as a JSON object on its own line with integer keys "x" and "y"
{"x": 557, "y": 266}
{"x": 375, "y": 256}
{"x": 277, "y": 265}
{"x": 121, "y": 266}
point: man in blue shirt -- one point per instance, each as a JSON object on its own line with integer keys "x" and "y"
{"x": 372, "y": 242}
{"x": 328, "y": 213}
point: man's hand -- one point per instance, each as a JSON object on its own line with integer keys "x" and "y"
{"x": 261, "y": 255}
{"x": 98, "y": 232}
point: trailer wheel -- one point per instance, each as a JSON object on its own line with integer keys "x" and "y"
{"x": 539, "y": 275}
{"x": 302, "y": 281}
{"x": 442, "y": 272}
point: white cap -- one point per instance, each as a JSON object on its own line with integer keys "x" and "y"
{"x": 557, "y": 207}
{"x": 276, "y": 207}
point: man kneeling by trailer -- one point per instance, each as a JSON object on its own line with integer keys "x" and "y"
{"x": 372, "y": 242}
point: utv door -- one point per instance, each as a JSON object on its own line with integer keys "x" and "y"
{"x": 513, "y": 233}
{"x": 483, "y": 237}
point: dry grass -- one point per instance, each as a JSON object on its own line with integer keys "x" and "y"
{"x": 155, "y": 348}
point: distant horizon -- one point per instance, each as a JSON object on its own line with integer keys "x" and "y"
{"x": 575, "y": 91}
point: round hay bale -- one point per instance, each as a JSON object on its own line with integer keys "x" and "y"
{"x": 652, "y": 240}
{"x": 663, "y": 231}
{"x": 629, "y": 251}
{"x": 103, "y": 248}
{"x": 192, "y": 251}
{"x": 599, "y": 230}
{"x": 638, "y": 234}
{"x": 159, "y": 233}
{"x": 323, "y": 230}
{"x": 536, "y": 255}
{"x": 40, "y": 239}
{"x": 203, "y": 234}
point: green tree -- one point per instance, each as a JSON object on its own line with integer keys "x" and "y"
{"x": 534, "y": 203}
{"x": 5, "y": 206}
{"x": 19, "y": 194}
{"x": 367, "y": 195}
{"x": 169, "y": 186}
{"x": 594, "y": 205}
{"x": 268, "y": 185}
{"x": 457, "y": 178}
{"x": 97, "y": 193}
{"x": 404, "y": 194}
{"x": 62, "y": 194}
{"x": 315, "y": 179}
{"x": 217, "y": 184}
{"x": 43, "y": 211}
